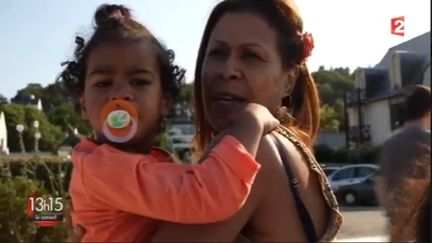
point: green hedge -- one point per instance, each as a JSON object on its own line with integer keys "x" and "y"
{"x": 364, "y": 154}
{"x": 19, "y": 178}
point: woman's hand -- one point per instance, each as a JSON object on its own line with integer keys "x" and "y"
{"x": 74, "y": 233}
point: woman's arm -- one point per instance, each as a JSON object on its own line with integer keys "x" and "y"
{"x": 228, "y": 230}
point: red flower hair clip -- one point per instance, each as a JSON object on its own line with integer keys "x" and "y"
{"x": 308, "y": 45}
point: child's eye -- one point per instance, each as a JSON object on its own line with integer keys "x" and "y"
{"x": 139, "y": 82}
{"x": 103, "y": 83}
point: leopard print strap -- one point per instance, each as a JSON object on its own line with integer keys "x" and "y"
{"x": 335, "y": 220}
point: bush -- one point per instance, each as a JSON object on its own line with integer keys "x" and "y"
{"x": 363, "y": 154}
{"x": 20, "y": 177}
{"x": 324, "y": 154}
{"x": 367, "y": 154}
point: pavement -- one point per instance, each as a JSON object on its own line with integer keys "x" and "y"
{"x": 363, "y": 224}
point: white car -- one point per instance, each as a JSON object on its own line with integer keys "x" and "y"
{"x": 181, "y": 136}
{"x": 351, "y": 174}
{"x": 328, "y": 170}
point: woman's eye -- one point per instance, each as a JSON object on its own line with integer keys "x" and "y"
{"x": 251, "y": 55}
{"x": 139, "y": 82}
{"x": 216, "y": 53}
{"x": 103, "y": 83}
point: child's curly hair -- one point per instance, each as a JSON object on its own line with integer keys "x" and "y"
{"x": 113, "y": 23}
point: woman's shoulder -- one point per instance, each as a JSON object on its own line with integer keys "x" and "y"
{"x": 293, "y": 148}
{"x": 297, "y": 151}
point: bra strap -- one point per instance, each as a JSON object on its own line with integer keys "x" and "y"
{"x": 303, "y": 213}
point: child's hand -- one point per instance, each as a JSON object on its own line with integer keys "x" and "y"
{"x": 259, "y": 115}
{"x": 248, "y": 125}
{"x": 74, "y": 233}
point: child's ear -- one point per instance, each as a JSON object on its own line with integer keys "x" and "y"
{"x": 83, "y": 109}
{"x": 166, "y": 105}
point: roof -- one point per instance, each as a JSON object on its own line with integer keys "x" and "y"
{"x": 394, "y": 94}
{"x": 419, "y": 44}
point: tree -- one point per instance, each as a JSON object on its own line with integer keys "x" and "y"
{"x": 332, "y": 84}
{"x": 55, "y": 95}
{"x": 26, "y": 115}
{"x": 52, "y": 95}
{"x": 186, "y": 93}
{"x": 23, "y": 95}
{"x": 329, "y": 119}
{"x": 3, "y": 100}
{"x": 65, "y": 116}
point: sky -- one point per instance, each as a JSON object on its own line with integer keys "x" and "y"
{"x": 36, "y": 36}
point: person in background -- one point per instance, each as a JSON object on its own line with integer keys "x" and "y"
{"x": 403, "y": 181}
{"x": 424, "y": 221}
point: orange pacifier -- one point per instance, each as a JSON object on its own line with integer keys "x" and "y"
{"x": 119, "y": 120}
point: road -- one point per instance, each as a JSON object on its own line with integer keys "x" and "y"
{"x": 363, "y": 224}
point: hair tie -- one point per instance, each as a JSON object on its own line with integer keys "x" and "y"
{"x": 308, "y": 45}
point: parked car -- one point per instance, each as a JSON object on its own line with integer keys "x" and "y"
{"x": 328, "y": 170}
{"x": 358, "y": 193}
{"x": 181, "y": 136}
{"x": 351, "y": 174}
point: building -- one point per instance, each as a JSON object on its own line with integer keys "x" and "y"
{"x": 333, "y": 140}
{"x": 4, "y": 149}
{"x": 375, "y": 111}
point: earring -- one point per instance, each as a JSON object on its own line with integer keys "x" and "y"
{"x": 287, "y": 101}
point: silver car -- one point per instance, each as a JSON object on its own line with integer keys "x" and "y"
{"x": 351, "y": 174}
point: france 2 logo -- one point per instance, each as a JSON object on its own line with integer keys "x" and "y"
{"x": 398, "y": 26}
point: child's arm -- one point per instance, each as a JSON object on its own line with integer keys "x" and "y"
{"x": 212, "y": 191}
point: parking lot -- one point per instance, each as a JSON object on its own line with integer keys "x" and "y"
{"x": 362, "y": 224}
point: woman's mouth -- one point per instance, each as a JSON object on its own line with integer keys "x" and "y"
{"x": 227, "y": 98}
{"x": 225, "y": 104}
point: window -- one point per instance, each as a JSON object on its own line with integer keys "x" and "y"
{"x": 396, "y": 115}
{"x": 412, "y": 66}
{"x": 329, "y": 171}
{"x": 377, "y": 82}
{"x": 364, "y": 171}
{"x": 344, "y": 174}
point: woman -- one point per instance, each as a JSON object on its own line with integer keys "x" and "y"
{"x": 255, "y": 51}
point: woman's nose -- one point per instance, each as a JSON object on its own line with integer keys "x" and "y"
{"x": 231, "y": 69}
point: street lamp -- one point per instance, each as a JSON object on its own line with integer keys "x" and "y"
{"x": 37, "y": 135}
{"x": 20, "y": 129}
{"x": 36, "y": 124}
